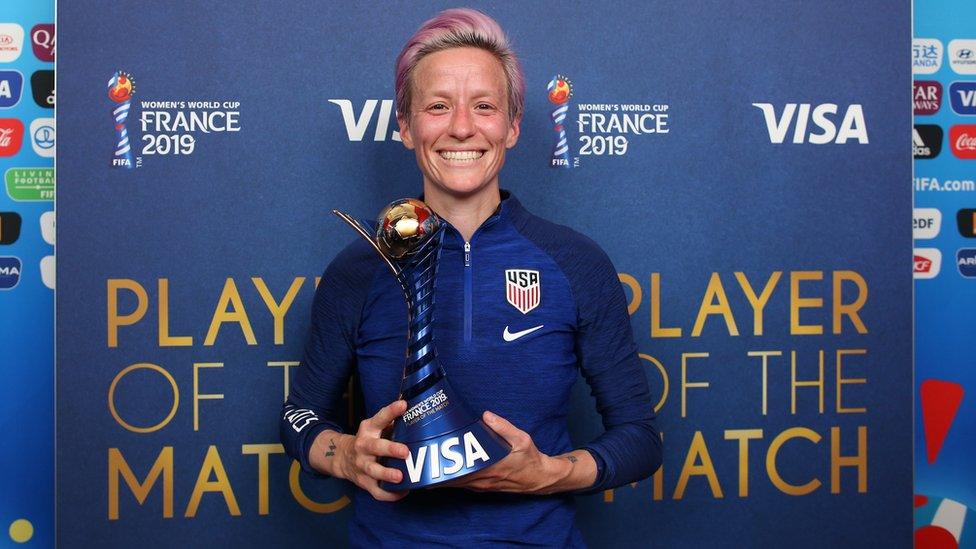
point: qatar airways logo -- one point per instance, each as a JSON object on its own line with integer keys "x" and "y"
{"x": 814, "y": 124}
{"x": 963, "y": 140}
{"x": 360, "y": 118}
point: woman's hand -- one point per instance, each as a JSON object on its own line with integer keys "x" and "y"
{"x": 356, "y": 457}
{"x": 526, "y": 470}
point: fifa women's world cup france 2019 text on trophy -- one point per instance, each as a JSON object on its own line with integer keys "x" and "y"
{"x": 446, "y": 441}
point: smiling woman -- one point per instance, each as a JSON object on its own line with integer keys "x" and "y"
{"x": 458, "y": 125}
{"x": 523, "y": 307}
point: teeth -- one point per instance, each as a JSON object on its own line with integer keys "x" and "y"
{"x": 461, "y": 155}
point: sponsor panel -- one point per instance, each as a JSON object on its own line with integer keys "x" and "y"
{"x": 10, "y": 223}
{"x": 928, "y": 262}
{"x": 43, "y": 137}
{"x": 962, "y": 98}
{"x": 29, "y": 184}
{"x": 11, "y": 42}
{"x": 42, "y": 40}
{"x": 47, "y": 271}
{"x": 10, "y": 268}
{"x": 42, "y": 88}
{"x": 926, "y": 141}
{"x": 966, "y": 222}
{"x": 962, "y": 138}
{"x": 11, "y": 87}
{"x": 926, "y": 223}
{"x": 926, "y": 55}
{"x": 47, "y": 227}
{"x": 11, "y": 136}
{"x": 962, "y": 55}
{"x": 926, "y": 96}
{"x": 966, "y": 262}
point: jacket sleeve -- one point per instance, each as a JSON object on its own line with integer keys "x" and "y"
{"x": 315, "y": 395}
{"x": 630, "y": 447}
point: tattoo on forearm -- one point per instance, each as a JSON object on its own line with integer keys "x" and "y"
{"x": 572, "y": 459}
{"x": 332, "y": 447}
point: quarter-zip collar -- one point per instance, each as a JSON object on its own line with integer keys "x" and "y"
{"x": 508, "y": 207}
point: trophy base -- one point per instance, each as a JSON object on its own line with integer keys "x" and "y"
{"x": 446, "y": 457}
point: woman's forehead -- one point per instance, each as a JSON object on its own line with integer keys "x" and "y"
{"x": 460, "y": 67}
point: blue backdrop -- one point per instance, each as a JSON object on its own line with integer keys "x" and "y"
{"x": 740, "y": 146}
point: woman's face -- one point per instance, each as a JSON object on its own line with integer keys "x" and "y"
{"x": 458, "y": 121}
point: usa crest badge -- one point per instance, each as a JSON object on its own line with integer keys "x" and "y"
{"x": 522, "y": 289}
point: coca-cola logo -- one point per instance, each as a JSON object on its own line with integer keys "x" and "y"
{"x": 963, "y": 139}
{"x": 11, "y": 136}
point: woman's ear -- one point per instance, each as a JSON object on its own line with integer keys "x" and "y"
{"x": 405, "y": 131}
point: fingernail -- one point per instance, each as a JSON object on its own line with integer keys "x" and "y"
{"x": 490, "y": 417}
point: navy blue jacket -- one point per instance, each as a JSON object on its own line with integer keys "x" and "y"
{"x": 359, "y": 321}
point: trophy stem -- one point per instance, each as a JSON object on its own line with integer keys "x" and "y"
{"x": 445, "y": 440}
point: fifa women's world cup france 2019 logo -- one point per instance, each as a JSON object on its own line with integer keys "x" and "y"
{"x": 560, "y": 90}
{"x": 120, "y": 90}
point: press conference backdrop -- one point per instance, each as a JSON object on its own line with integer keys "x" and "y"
{"x": 944, "y": 137}
{"x": 744, "y": 164}
{"x": 27, "y": 140}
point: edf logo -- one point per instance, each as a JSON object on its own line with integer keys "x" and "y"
{"x": 11, "y": 85}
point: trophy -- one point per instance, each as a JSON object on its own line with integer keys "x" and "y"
{"x": 446, "y": 440}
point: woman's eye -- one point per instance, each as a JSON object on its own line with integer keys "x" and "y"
{"x": 438, "y": 107}
{"x": 485, "y": 106}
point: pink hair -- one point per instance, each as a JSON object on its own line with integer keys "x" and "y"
{"x": 459, "y": 28}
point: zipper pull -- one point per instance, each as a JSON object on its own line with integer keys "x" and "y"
{"x": 467, "y": 254}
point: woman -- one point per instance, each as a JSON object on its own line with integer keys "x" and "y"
{"x": 460, "y": 95}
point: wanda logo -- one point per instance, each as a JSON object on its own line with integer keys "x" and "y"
{"x": 962, "y": 137}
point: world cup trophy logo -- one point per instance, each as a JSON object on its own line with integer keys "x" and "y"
{"x": 444, "y": 438}
{"x": 560, "y": 90}
{"x": 120, "y": 90}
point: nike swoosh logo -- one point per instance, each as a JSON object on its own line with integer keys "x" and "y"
{"x": 509, "y": 336}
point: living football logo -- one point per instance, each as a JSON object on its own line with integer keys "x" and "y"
{"x": 603, "y": 129}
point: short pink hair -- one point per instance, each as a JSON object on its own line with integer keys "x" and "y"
{"x": 460, "y": 28}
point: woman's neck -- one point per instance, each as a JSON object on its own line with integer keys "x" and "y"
{"x": 465, "y": 213}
